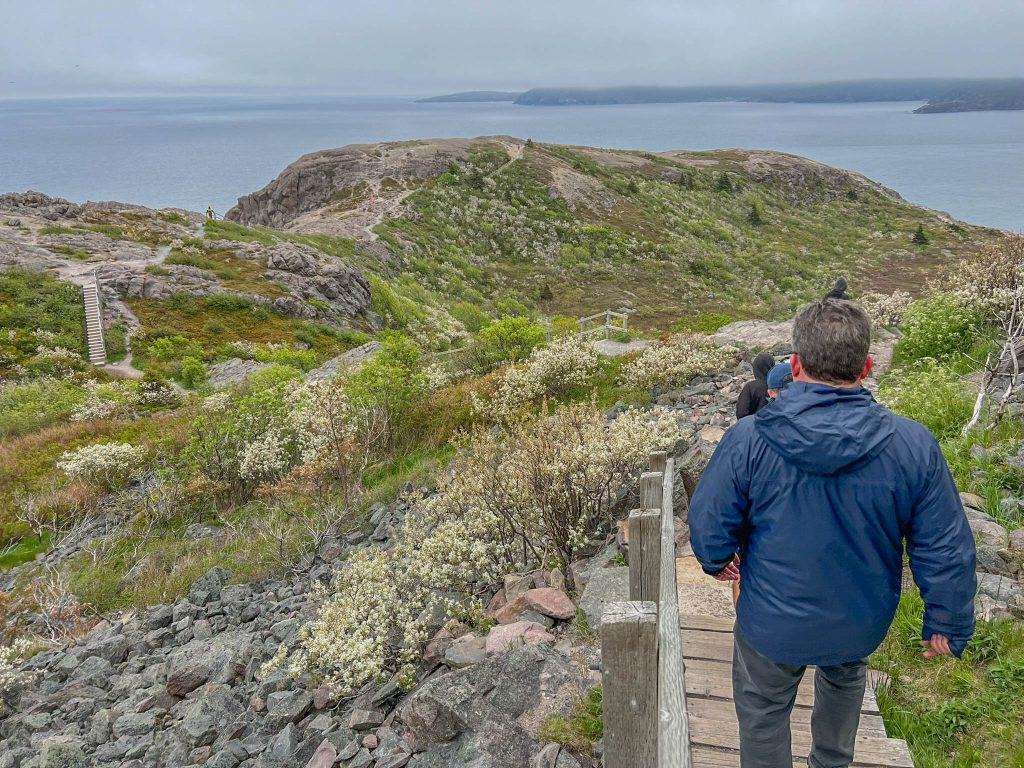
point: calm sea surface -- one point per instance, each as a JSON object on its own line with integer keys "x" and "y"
{"x": 194, "y": 152}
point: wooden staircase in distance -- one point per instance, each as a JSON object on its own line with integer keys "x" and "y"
{"x": 94, "y": 323}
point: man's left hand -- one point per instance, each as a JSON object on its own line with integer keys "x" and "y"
{"x": 937, "y": 646}
{"x": 731, "y": 572}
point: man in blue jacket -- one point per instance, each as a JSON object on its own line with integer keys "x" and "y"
{"x": 812, "y": 500}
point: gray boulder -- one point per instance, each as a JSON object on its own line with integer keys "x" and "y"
{"x": 471, "y": 716}
{"x": 774, "y": 337}
{"x": 62, "y": 752}
{"x": 210, "y": 714}
{"x": 218, "y": 660}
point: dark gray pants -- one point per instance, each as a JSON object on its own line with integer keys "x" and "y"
{"x": 765, "y": 692}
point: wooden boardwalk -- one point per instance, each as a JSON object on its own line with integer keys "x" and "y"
{"x": 666, "y": 658}
{"x": 707, "y": 643}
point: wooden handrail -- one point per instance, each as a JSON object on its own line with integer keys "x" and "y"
{"x": 645, "y": 718}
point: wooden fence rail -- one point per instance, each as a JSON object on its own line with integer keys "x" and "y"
{"x": 610, "y": 322}
{"x": 645, "y": 720}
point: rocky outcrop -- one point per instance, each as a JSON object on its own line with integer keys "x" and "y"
{"x": 312, "y": 275}
{"x": 473, "y": 716}
{"x": 313, "y": 180}
{"x": 38, "y": 204}
{"x": 774, "y": 337}
{"x": 132, "y": 282}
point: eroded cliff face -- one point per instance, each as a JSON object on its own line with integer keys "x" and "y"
{"x": 346, "y": 177}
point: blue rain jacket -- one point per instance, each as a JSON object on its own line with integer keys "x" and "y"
{"x": 818, "y": 493}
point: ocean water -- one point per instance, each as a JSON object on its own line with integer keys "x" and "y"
{"x": 194, "y": 152}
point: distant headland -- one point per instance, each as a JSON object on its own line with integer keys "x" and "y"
{"x": 467, "y": 96}
{"x": 939, "y": 94}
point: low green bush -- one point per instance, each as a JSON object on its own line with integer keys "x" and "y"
{"x": 937, "y": 326}
{"x": 470, "y": 316}
{"x": 930, "y": 393}
{"x": 193, "y": 372}
{"x": 32, "y": 405}
{"x": 510, "y": 338}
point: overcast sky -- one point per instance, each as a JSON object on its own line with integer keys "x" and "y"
{"x": 84, "y": 47}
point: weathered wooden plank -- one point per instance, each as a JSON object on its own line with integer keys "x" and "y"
{"x": 673, "y": 728}
{"x": 701, "y": 644}
{"x": 652, "y": 491}
{"x": 658, "y": 461}
{"x": 704, "y": 757}
{"x": 629, "y": 658}
{"x": 707, "y": 623}
{"x": 717, "y": 709}
{"x": 645, "y": 554}
{"x": 869, "y": 750}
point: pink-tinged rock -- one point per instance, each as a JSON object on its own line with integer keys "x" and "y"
{"x": 510, "y": 613}
{"x": 323, "y": 697}
{"x": 324, "y": 756}
{"x": 551, "y": 602}
{"x": 370, "y": 741}
{"x": 498, "y": 602}
{"x": 517, "y": 584}
{"x": 200, "y": 755}
{"x": 507, "y": 636}
{"x": 439, "y": 643}
{"x": 258, "y": 704}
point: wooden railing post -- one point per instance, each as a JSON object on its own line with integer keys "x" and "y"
{"x": 645, "y": 554}
{"x": 629, "y": 660}
{"x": 658, "y": 461}
{"x": 652, "y": 490}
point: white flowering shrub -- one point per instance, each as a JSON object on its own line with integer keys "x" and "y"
{"x": 154, "y": 391}
{"x": 13, "y": 681}
{"x": 104, "y": 400}
{"x": 548, "y": 371}
{"x": 106, "y": 464}
{"x": 509, "y": 500}
{"x": 989, "y": 279}
{"x": 243, "y": 439}
{"x": 675, "y": 362}
{"x": 886, "y": 310}
{"x": 58, "y": 362}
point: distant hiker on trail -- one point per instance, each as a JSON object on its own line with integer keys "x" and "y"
{"x": 839, "y": 290}
{"x": 209, "y": 212}
{"x": 811, "y": 501}
{"x": 754, "y": 394}
{"x": 778, "y": 378}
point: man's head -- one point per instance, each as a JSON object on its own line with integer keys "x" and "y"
{"x": 831, "y": 339}
{"x": 779, "y": 377}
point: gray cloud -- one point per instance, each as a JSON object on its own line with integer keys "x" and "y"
{"x": 429, "y": 46}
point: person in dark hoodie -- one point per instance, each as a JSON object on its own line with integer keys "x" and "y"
{"x": 839, "y": 290}
{"x": 812, "y": 501}
{"x": 754, "y": 394}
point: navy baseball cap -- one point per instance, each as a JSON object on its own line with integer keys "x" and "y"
{"x": 780, "y": 376}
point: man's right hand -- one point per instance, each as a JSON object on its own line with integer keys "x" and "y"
{"x": 937, "y": 646}
{"x": 731, "y": 572}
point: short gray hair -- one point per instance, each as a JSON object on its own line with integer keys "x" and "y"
{"x": 832, "y": 338}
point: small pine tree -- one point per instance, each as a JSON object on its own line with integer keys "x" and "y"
{"x": 529, "y": 142}
{"x": 851, "y": 194}
{"x": 631, "y": 187}
{"x": 920, "y": 238}
{"x": 755, "y": 216}
{"x": 724, "y": 182}
{"x": 546, "y": 294}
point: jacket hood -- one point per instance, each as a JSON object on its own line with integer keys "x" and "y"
{"x": 825, "y": 430}
{"x": 761, "y": 365}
